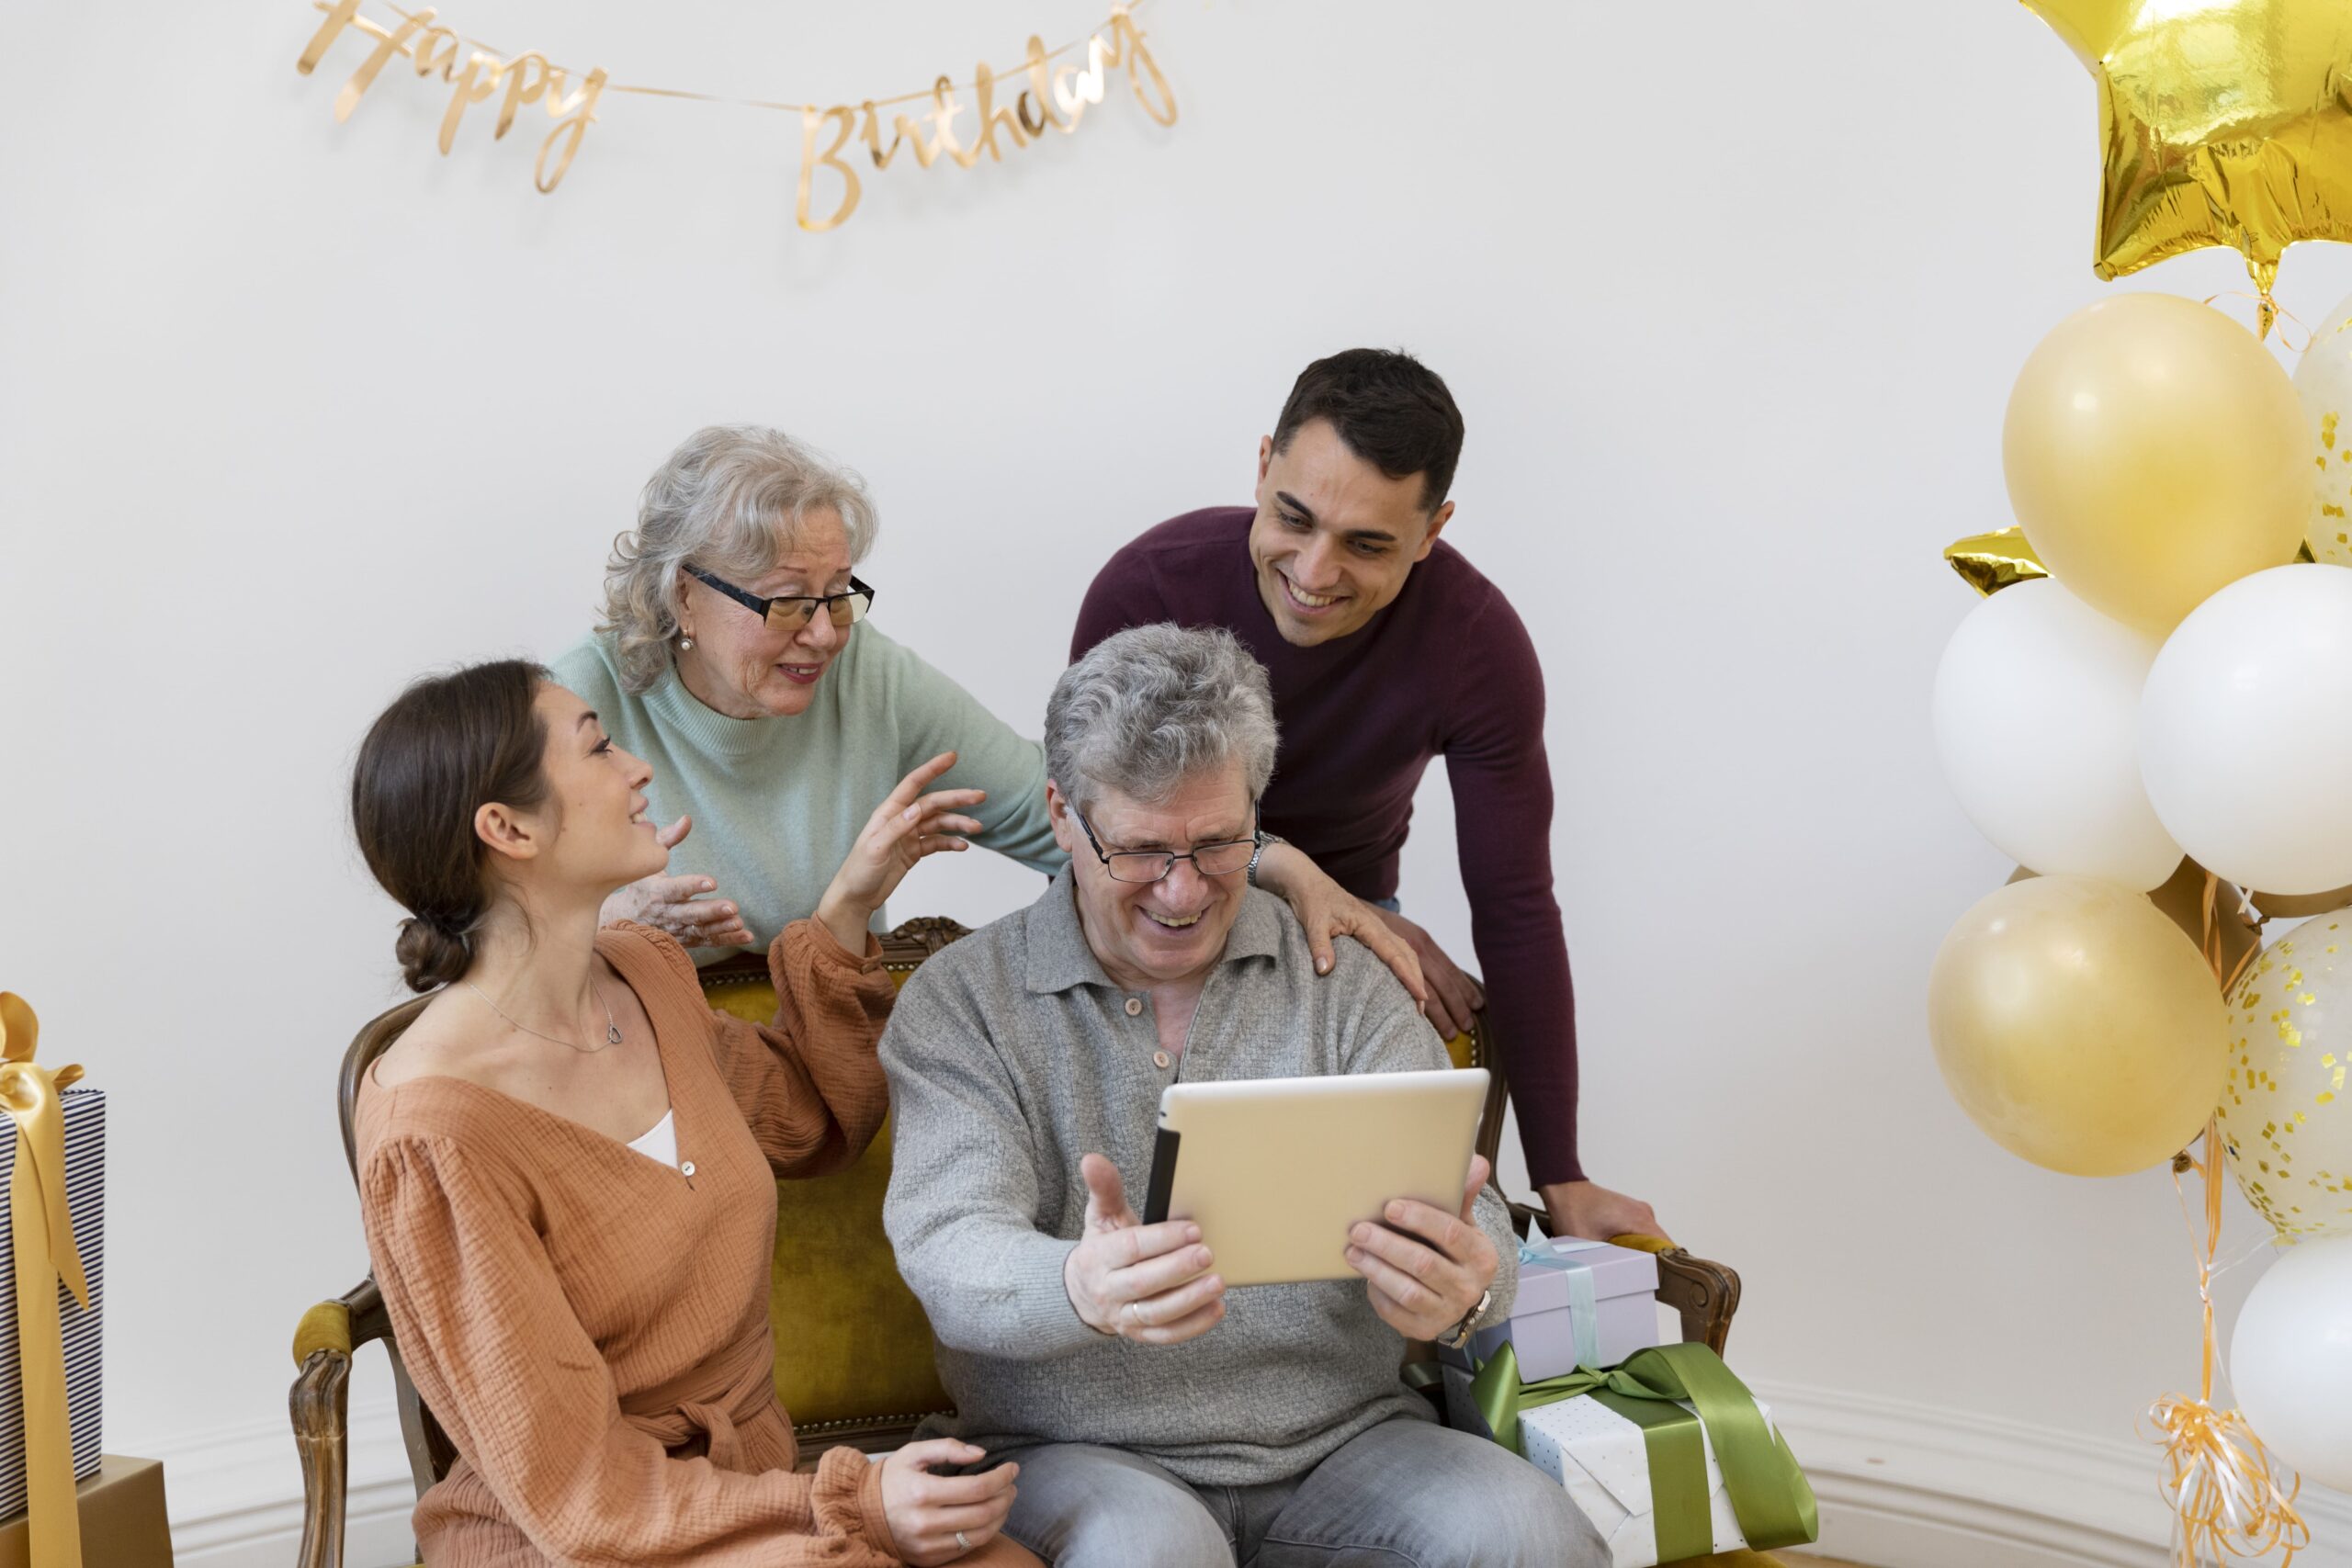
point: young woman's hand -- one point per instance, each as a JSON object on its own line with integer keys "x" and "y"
{"x": 903, "y": 829}
{"x": 927, "y": 1513}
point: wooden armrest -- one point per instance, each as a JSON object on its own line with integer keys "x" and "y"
{"x": 1705, "y": 1294}
{"x": 319, "y": 1407}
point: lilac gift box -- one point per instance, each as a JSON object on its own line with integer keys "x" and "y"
{"x": 1580, "y": 1303}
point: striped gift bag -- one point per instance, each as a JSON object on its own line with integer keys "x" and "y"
{"x": 85, "y": 1200}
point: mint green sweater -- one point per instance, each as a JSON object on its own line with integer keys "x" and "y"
{"x": 778, "y": 802}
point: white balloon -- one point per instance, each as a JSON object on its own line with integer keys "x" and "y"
{"x": 2290, "y": 1360}
{"x": 2037, "y": 714}
{"x": 2245, "y": 731}
{"x": 2323, "y": 382}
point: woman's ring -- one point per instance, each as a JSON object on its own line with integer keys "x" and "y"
{"x": 961, "y": 1544}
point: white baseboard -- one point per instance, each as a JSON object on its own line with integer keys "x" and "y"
{"x": 1909, "y": 1485}
{"x": 235, "y": 1495}
{"x": 1901, "y": 1485}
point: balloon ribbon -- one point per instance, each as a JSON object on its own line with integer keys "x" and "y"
{"x": 2221, "y": 1483}
{"x": 43, "y": 1239}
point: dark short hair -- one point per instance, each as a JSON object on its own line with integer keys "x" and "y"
{"x": 1390, "y": 409}
{"x": 447, "y": 747}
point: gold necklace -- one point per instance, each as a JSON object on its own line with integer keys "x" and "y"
{"x": 612, "y": 1029}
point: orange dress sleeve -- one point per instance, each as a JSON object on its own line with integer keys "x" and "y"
{"x": 810, "y": 1083}
{"x": 500, "y": 1357}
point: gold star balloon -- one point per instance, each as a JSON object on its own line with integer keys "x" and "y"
{"x": 2224, "y": 122}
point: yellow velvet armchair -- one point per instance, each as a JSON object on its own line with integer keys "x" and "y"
{"x": 854, "y": 1365}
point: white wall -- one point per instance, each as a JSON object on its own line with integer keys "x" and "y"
{"x": 1731, "y": 295}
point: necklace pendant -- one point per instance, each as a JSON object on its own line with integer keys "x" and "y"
{"x": 612, "y": 1033}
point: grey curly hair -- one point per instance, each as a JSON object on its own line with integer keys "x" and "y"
{"x": 1149, "y": 708}
{"x": 730, "y": 499}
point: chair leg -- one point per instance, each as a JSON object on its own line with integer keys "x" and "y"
{"x": 322, "y": 1435}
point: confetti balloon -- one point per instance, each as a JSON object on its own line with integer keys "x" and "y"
{"x": 2323, "y": 382}
{"x": 2077, "y": 1026}
{"x": 2286, "y": 1118}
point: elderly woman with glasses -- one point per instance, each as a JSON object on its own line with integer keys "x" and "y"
{"x": 734, "y": 655}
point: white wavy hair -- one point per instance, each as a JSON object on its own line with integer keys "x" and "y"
{"x": 731, "y": 500}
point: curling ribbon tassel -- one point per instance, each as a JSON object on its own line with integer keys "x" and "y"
{"x": 2220, "y": 1483}
{"x": 45, "y": 1249}
{"x": 2223, "y": 1485}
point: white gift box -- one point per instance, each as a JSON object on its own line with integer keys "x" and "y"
{"x": 1601, "y": 1458}
{"x": 86, "y": 1202}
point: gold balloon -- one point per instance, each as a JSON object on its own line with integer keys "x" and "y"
{"x": 2224, "y": 124}
{"x": 2155, "y": 452}
{"x": 2297, "y": 905}
{"x": 2076, "y": 1026}
{"x": 2286, "y": 1118}
{"x": 2181, "y": 900}
{"x": 1990, "y": 562}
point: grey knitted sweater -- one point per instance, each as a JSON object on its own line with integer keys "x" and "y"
{"x": 1010, "y": 1056}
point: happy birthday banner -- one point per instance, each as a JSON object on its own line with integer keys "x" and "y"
{"x": 1056, "y": 97}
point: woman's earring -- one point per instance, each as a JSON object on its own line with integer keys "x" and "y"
{"x": 684, "y": 643}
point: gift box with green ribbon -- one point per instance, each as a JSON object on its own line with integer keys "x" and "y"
{"x": 1668, "y": 1454}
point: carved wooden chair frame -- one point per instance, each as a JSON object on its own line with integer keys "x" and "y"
{"x": 1703, "y": 1293}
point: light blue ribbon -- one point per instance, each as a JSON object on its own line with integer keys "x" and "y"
{"x": 1583, "y": 1301}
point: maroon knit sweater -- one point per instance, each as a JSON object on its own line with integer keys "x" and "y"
{"x": 1446, "y": 670}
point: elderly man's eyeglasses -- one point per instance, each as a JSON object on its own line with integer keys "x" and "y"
{"x": 1149, "y": 865}
{"x": 791, "y": 612}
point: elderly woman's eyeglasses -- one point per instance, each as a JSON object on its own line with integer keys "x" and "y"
{"x": 1150, "y": 865}
{"x": 791, "y": 612}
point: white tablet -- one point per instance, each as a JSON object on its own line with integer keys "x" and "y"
{"x": 1276, "y": 1171}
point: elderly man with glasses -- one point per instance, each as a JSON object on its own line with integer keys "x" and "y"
{"x": 1157, "y": 1418}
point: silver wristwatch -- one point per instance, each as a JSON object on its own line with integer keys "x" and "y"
{"x": 1454, "y": 1339}
{"x": 1265, "y": 841}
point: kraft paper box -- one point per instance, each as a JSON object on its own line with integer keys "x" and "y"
{"x": 85, "y": 1200}
{"x": 123, "y": 1521}
{"x": 1579, "y": 1303}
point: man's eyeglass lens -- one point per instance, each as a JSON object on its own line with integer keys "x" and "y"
{"x": 1150, "y": 865}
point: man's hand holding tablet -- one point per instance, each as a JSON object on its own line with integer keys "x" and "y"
{"x": 1426, "y": 1270}
{"x": 1148, "y": 1283}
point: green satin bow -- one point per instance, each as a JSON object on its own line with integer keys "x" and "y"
{"x": 1769, "y": 1493}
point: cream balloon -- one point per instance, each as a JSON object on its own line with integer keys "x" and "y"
{"x": 2286, "y": 1118}
{"x": 2077, "y": 1026}
{"x": 2245, "y": 731}
{"x": 2290, "y": 1360}
{"x": 2324, "y": 384}
{"x": 2036, "y": 718}
{"x": 2155, "y": 452}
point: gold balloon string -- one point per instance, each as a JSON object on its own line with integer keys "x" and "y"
{"x": 2224, "y": 1486}
{"x": 376, "y": 31}
{"x": 2268, "y": 314}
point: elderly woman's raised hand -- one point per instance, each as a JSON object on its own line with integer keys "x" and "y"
{"x": 904, "y": 829}
{"x": 676, "y": 905}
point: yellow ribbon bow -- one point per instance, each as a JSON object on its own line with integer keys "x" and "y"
{"x": 43, "y": 1232}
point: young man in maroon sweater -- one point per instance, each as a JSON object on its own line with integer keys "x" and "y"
{"x": 1386, "y": 648}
